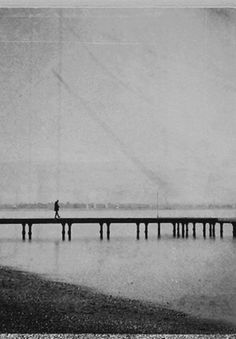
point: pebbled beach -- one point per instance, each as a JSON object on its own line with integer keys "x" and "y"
{"x": 32, "y": 304}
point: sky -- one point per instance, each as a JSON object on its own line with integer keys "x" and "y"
{"x": 117, "y": 104}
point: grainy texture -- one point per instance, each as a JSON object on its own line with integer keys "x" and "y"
{"x": 31, "y": 304}
{"x": 116, "y": 336}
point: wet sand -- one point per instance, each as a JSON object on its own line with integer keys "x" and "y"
{"x": 32, "y": 304}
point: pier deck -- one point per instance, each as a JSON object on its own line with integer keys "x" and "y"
{"x": 180, "y": 224}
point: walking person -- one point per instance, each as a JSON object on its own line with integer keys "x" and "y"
{"x": 56, "y": 209}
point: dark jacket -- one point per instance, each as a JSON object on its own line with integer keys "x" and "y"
{"x": 56, "y": 206}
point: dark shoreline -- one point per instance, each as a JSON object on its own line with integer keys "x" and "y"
{"x": 32, "y": 304}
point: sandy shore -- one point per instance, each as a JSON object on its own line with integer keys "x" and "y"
{"x": 31, "y": 304}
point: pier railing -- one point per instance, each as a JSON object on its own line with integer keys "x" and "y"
{"x": 181, "y": 226}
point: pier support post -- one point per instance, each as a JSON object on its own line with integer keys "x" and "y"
{"x": 146, "y": 231}
{"x": 23, "y": 231}
{"x": 63, "y": 232}
{"x": 183, "y": 224}
{"x": 204, "y": 230}
{"x": 138, "y": 231}
{"x": 30, "y": 231}
{"x": 194, "y": 230}
{"x": 108, "y": 231}
{"x": 234, "y": 229}
{"x": 101, "y": 231}
{"x": 210, "y": 230}
{"x": 178, "y": 230}
{"x": 158, "y": 230}
{"x": 69, "y": 231}
{"x": 174, "y": 229}
{"x": 221, "y": 229}
{"x": 213, "y": 230}
{"x": 186, "y": 230}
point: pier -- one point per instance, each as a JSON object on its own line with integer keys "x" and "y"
{"x": 181, "y": 227}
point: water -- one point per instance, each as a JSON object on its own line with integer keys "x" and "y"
{"x": 196, "y": 276}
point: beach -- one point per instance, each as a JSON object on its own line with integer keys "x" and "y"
{"x": 30, "y": 303}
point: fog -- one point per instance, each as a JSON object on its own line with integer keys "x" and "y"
{"x": 103, "y": 104}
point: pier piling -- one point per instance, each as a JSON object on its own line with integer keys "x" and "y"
{"x": 234, "y": 229}
{"x": 108, "y": 231}
{"x": 101, "y": 231}
{"x": 69, "y": 231}
{"x": 210, "y": 229}
{"x": 158, "y": 230}
{"x": 183, "y": 224}
{"x": 30, "y": 231}
{"x": 221, "y": 230}
{"x": 23, "y": 231}
{"x": 178, "y": 230}
{"x": 146, "y": 231}
{"x": 174, "y": 229}
{"x": 138, "y": 231}
{"x": 194, "y": 230}
{"x": 213, "y": 230}
{"x": 186, "y": 230}
{"x": 63, "y": 232}
{"x": 204, "y": 230}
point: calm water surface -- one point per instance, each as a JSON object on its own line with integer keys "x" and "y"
{"x": 197, "y": 276}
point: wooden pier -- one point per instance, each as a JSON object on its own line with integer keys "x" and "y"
{"x": 181, "y": 226}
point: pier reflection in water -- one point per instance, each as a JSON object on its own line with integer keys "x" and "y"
{"x": 195, "y": 274}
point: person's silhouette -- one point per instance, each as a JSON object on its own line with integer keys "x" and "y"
{"x": 56, "y": 209}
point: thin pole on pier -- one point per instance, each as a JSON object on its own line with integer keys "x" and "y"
{"x": 60, "y": 102}
{"x": 157, "y": 206}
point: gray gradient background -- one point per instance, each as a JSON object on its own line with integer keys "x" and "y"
{"x": 113, "y": 105}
